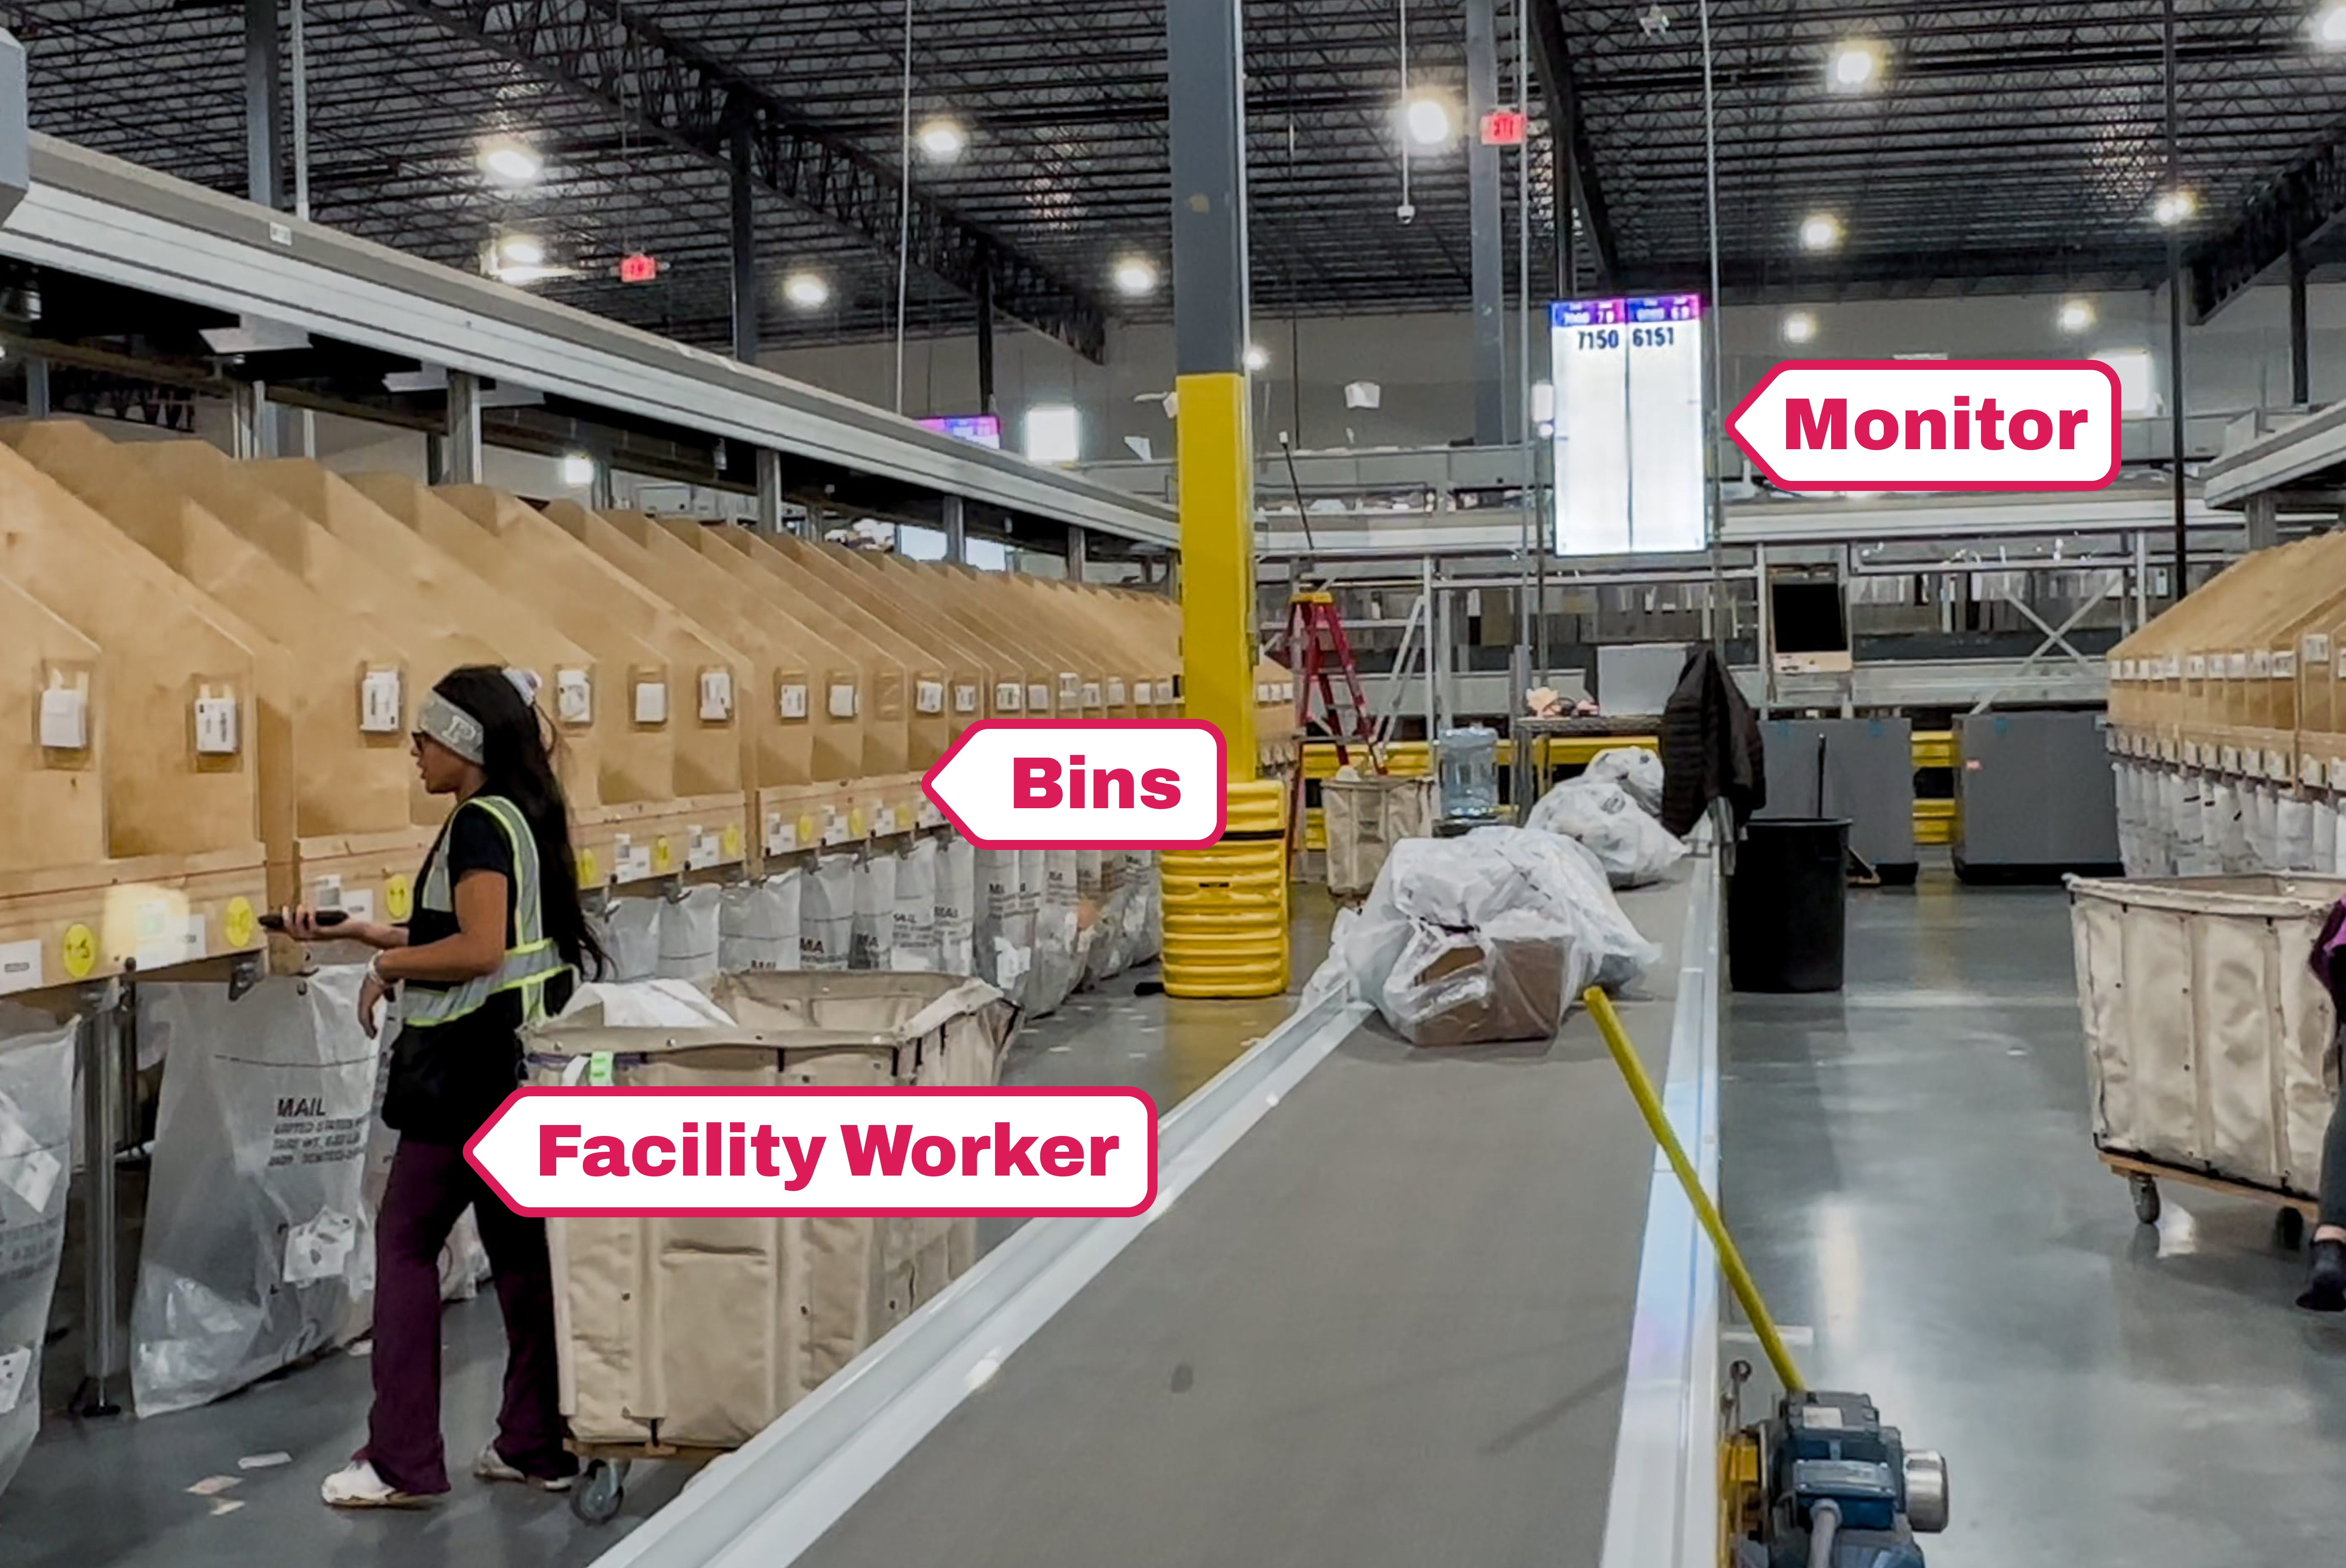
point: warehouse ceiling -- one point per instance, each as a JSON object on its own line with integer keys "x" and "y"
{"x": 1997, "y": 146}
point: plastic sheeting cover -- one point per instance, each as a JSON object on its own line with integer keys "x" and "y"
{"x": 758, "y": 924}
{"x": 957, "y": 906}
{"x": 255, "y": 1246}
{"x": 1632, "y": 845}
{"x": 827, "y": 914}
{"x": 1634, "y": 769}
{"x": 914, "y": 945}
{"x": 37, "y": 1121}
{"x": 1503, "y": 928}
{"x": 1004, "y": 934}
{"x": 689, "y": 934}
{"x": 873, "y": 935}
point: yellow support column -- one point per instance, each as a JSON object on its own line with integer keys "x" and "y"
{"x": 1225, "y": 907}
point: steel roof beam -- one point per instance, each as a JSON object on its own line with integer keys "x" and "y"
{"x": 672, "y": 89}
{"x": 1552, "y": 51}
{"x": 2294, "y": 209}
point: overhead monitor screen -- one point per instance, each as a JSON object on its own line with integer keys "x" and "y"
{"x": 1628, "y": 426}
{"x": 983, "y": 429}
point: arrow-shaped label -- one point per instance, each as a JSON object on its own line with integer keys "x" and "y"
{"x": 1934, "y": 425}
{"x": 1085, "y": 784}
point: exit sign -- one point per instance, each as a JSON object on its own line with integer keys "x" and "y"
{"x": 1505, "y": 127}
{"x": 638, "y": 268}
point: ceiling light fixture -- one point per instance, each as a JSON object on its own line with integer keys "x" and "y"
{"x": 1819, "y": 231}
{"x": 942, "y": 140}
{"x": 521, "y": 250}
{"x": 1429, "y": 120}
{"x": 1135, "y": 276}
{"x": 1798, "y": 326}
{"x": 2077, "y": 315}
{"x": 807, "y": 290}
{"x": 2173, "y": 207}
{"x": 2330, "y": 26}
{"x": 1258, "y": 358}
{"x": 511, "y": 162}
{"x": 1855, "y": 65}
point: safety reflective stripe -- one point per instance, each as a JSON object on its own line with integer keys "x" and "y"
{"x": 527, "y": 965}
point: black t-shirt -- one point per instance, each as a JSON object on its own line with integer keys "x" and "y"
{"x": 446, "y": 1080}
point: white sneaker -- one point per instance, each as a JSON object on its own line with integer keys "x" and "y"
{"x": 356, "y": 1485}
{"x": 491, "y": 1466}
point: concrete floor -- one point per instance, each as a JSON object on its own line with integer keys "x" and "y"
{"x": 1908, "y": 1170}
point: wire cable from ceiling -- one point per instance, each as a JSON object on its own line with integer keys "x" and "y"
{"x": 904, "y": 202}
{"x": 1403, "y": 6}
{"x": 1712, "y": 427}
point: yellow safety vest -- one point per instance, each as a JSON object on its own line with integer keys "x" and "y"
{"x": 528, "y": 965}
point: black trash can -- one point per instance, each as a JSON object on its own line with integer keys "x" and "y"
{"x": 1788, "y": 904}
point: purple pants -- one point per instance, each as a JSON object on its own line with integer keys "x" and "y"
{"x": 431, "y": 1186}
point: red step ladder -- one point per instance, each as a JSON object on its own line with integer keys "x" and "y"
{"x": 1320, "y": 655}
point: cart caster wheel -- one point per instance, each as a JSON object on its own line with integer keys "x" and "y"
{"x": 2289, "y": 1228}
{"x": 596, "y": 1497}
{"x": 2146, "y": 1199}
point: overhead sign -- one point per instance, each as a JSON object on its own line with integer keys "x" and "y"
{"x": 1505, "y": 127}
{"x": 649, "y": 1151}
{"x": 1945, "y": 424}
{"x": 638, "y": 268}
{"x": 1629, "y": 469}
{"x": 1085, "y": 784}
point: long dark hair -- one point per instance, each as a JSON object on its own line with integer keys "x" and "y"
{"x": 514, "y": 756}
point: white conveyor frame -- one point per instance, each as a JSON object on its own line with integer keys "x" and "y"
{"x": 770, "y": 1503}
{"x": 100, "y": 218}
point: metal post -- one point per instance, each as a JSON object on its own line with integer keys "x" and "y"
{"x": 249, "y": 418}
{"x": 985, "y": 338}
{"x": 2141, "y": 578}
{"x": 300, "y": 126}
{"x": 1206, "y": 100}
{"x": 953, "y": 516}
{"x": 1764, "y": 631}
{"x": 2301, "y": 361}
{"x": 1487, "y": 245}
{"x": 1079, "y": 557}
{"x": 37, "y": 386}
{"x": 746, "y": 297}
{"x": 769, "y": 491}
{"x": 263, "y": 140}
{"x": 2264, "y": 520}
{"x": 461, "y": 446}
{"x": 2174, "y": 324}
{"x": 101, "y": 1092}
{"x": 1425, "y": 597}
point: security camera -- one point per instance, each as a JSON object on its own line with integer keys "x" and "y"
{"x": 1655, "y": 22}
{"x": 1405, "y": 211}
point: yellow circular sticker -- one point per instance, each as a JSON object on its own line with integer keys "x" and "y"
{"x": 398, "y": 898}
{"x": 663, "y": 856}
{"x": 79, "y": 951}
{"x": 806, "y": 831}
{"x": 732, "y": 841}
{"x": 236, "y": 922}
{"x": 590, "y": 875}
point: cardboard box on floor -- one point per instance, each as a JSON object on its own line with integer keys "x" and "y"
{"x": 780, "y": 659}
{"x": 336, "y": 816}
{"x": 176, "y": 689}
{"x": 706, "y": 799}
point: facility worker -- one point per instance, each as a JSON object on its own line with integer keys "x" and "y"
{"x": 495, "y": 940}
{"x": 2325, "y": 1286}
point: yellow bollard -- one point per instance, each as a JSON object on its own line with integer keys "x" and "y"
{"x": 1641, "y": 1089}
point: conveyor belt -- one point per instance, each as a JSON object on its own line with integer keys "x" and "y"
{"x": 1390, "y": 1325}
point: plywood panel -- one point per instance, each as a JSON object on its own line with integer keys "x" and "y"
{"x": 52, "y": 801}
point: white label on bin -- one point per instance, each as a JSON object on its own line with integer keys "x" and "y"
{"x": 1091, "y": 694}
{"x": 843, "y": 699}
{"x": 2198, "y": 665}
{"x": 651, "y": 702}
{"x": 1039, "y": 698}
{"x": 381, "y": 710}
{"x": 2309, "y": 770}
{"x": 928, "y": 697}
{"x": 965, "y": 696}
{"x": 2277, "y": 766}
{"x": 1009, "y": 697}
{"x": 2260, "y": 662}
{"x": 64, "y": 718}
{"x": 781, "y": 833}
{"x": 1144, "y": 694}
{"x": 2229, "y": 759}
{"x": 716, "y": 695}
{"x": 707, "y": 847}
{"x": 574, "y": 696}
{"x": 2284, "y": 662}
{"x": 20, "y": 966}
{"x": 631, "y": 861}
{"x": 216, "y": 726}
{"x": 2236, "y": 666}
{"x": 790, "y": 700}
{"x": 1114, "y": 692}
{"x": 1071, "y": 687}
{"x": 2317, "y": 648}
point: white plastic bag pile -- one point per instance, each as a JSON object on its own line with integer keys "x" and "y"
{"x": 37, "y": 1121}
{"x": 1636, "y": 770}
{"x": 2187, "y": 822}
{"x": 1487, "y": 937}
{"x": 1632, "y": 845}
